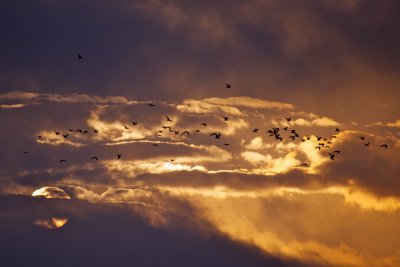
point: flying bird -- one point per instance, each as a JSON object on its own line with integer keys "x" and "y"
{"x": 134, "y": 123}
{"x": 80, "y": 131}
{"x": 332, "y": 156}
{"x": 336, "y": 151}
{"x": 119, "y": 156}
{"x": 304, "y": 165}
{"x": 186, "y": 132}
{"x": 65, "y": 135}
{"x": 217, "y": 135}
{"x": 255, "y": 130}
{"x": 25, "y": 152}
{"x": 385, "y": 146}
{"x": 362, "y": 137}
{"x": 337, "y": 130}
{"x": 227, "y": 85}
{"x": 286, "y": 128}
{"x": 96, "y": 158}
{"x": 155, "y": 145}
{"x": 61, "y": 161}
{"x": 204, "y": 124}
{"x": 367, "y": 144}
{"x": 126, "y": 127}
{"x": 85, "y": 132}
{"x": 57, "y": 133}
{"x": 225, "y": 118}
{"x": 80, "y": 56}
{"x": 151, "y": 105}
{"x": 168, "y": 119}
{"x": 288, "y": 118}
{"x": 95, "y": 131}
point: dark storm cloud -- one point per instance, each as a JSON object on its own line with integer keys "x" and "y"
{"x": 299, "y": 52}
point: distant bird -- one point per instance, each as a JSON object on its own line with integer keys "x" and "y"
{"x": 362, "y": 137}
{"x": 61, "y": 161}
{"x": 151, "y": 105}
{"x": 217, "y": 135}
{"x": 172, "y": 160}
{"x": 57, "y": 133}
{"x": 126, "y": 127}
{"x": 25, "y": 152}
{"x": 160, "y": 131}
{"x": 186, "y": 132}
{"x": 71, "y": 130}
{"x": 65, "y": 135}
{"x": 226, "y": 144}
{"x": 385, "y": 146}
{"x": 331, "y": 156}
{"x": 304, "y": 165}
{"x": 286, "y": 128}
{"x": 318, "y": 147}
{"x": 204, "y": 124}
{"x": 167, "y": 127}
{"x": 225, "y": 118}
{"x": 255, "y": 130}
{"x": 134, "y": 123}
{"x": 155, "y": 144}
{"x": 96, "y": 158}
{"x": 168, "y": 119}
{"x": 367, "y": 144}
{"x": 119, "y": 156}
{"x": 227, "y": 85}
{"x": 337, "y": 130}
{"x": 40, "y": 137}
{"x": 95, "y": 131}
{"x": 176, "y": 131}
{"x": 80, "y": 131}
{"x": 336, "y": 151}
{"x": 293, "y": 137}
{"x": 197, "y": 131}
{"x": 80, "y": 56}
{"x": 319, "y": 138}
{"x": 288, "y": 118}
{"x": 334, "y": 136}
{"x": 85, "y": 132}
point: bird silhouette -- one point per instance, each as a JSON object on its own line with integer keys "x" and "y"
{"x": 65, "y": 135}
{"x": 293, "y": 137}
{"x": 176, "y": 131}
{"x": 119, "y": 156}
{"x": 96, "y": 158}
{"x": 172, "y": 160}
{"x": 217, "y": 135}
{"x": 80, "y": 131}
{"x": 155, "y": 144}
{"x": 186, "y": 132}
{"x": 204, "y": 124}
{"x": 25, "y": 152}
{"x": 227, "y": 85}
{"x": 255, "y": 130}
{"x": 71, "y": 130}
{"x": 57, "y": 133}
{"x": 336, "y": 151}
{"x": 337, "y": 130}
{"x": 80, "y": 56}
{"x": 367, "y": 144}
{"x": 167, "y": 127}
{"x": 134, "y": 123}
{"x": 85, "y": 132}
{"x": 288, "y": 118}
{"x": 331, "y": 156}
{"x": 126, "y": 127}
{"x": 286, "y": 128}
{"x": 151, "y": 105}
{"x": 226, "y": 144}
{"x": 168, "y": 119}
{"x": 304, "y": 165}
{"x": 62, "y": 160}
{"x": 95, "y": 131}
{"x": 225, "y": 118}
{"x": 385, "y": 146}
{"x": 362, "y": 137}
{"x": 318, "y": 147}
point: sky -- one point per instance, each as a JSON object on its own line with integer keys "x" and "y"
{"x": 294, "y": 164}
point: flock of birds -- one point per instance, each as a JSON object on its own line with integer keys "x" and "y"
{"x": 275, "y": 132}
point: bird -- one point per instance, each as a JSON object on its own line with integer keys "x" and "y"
{"x": 304, "y": 165}
{"x": 176, "y": 131}
{"x": 57, "y": 132}
{"x": 337, "y": 130}
{"x": 65, "y": 135}
{"x": 332, "y": 156}
{"x": 288, "y": 118}
{"x": 217, "y": 135}
{"x": 293, "y": 137}
{"x": 168, "y": 119}
{"x": 61, "y": 161}
{"x": 167, "y": 127}
{"x": 151, "y": 105}
{"x": 85, "y": 132}
{"x": 336, "y": 151}
{"x": 119, "y": 156}
{"x": 25, "y": 152}
{"x": 186, "y": 132}
{"x": 385, "y": 146}
{"x": 366, "y": 144}
{"x": 155, "y": 144}
{"x": 334, "y": 136}
{"x": 204, "y": 124}
{"x": 197, "y": 131}
{"x": 227, "y": 85}
{"x": 226, "y": 144}
{"x": 71, "y": 130}
{"x": 255, "y": 130}
{"x": 172, "y": 160}
{"x": 40, "y": 137}
{"x": 362, "y": 137}
{"x": 80, "y": 131}
{"x": 96, "y": 158}
{"x": 134, "y": 123}
{"x": 225, "y": 118}
{"x": 286, "y": 128}
{"x": 318, "y": 147}
{"x": 80, "y": 56}
{"x": 126, "y": 127}
{"x": 95, "y": 131}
